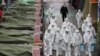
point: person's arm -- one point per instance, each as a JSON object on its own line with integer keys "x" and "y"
{"x": 82, "y": 27}
{"x": 84, "y": 39}
{"x": 66, "y": 10}
{"x": 61, "y": 10}
{"x": 94, "y": 32}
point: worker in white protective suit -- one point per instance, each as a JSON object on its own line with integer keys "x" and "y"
{"x": 94, "y": 35}
{"x": 79, "y": 16}
{"x": 84, "y": 26}
{"x": 88, "y": 37}
{"x": 51, "y": 11}
{"x": 72, "y": 28}
{"x": 92, "y": 29}
{"x": 89, "y": 19}
{"x": 67, "y": 41}
{"x": 62, "y": 32}
{"x": 52, "y": 26}
{"x": 53, "y": 19}
{"x": 48, "y": 14}
{"x": 76, "y": 40}
{"x": 50, "y": 38}
{"x": 65, "y": 23}
{"x": 46, "y": 43}
{"x": 57, "y": 42}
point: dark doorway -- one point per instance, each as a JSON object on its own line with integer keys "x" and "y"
{"x": 78, "y": 4}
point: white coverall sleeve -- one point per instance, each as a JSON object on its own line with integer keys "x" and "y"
{"x": 94, "y": 32}
{"x": 83, "y": 27}
{"x": 45, "y": 40}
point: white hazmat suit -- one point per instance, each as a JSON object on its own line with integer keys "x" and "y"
{"x": 84, "y": 26}
{"x": 46, "y": 46}
{"x": 88, "y": 37}
{"x": 92, "y": 29}
{"x": 79, "y": 16}
{"x": 94, "y": 35}
{"x": 66, "y": 23}
{"x": 89, "y": 19}
{"x": 48, "y": 41}
{"x": 52, "y": 26}
{"x": 72, "y": 28}
{"x": 77, "y": 40}
{"x": 67, "y": 41}
{"x": 50, "y": 11}
{"x": 53, "y": 19}
{"x": 57, "y": 42}
{"x": 51, "y": 40}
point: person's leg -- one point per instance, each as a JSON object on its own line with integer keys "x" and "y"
{"x": 75, "y": 50}
{"x": 69, "y": 50}
{"x": 46, "y": 52}
{"x": 61, "y": 47}
{"x": 50, "y": 48}
{"x": 66, "y": 15}
{"x": 66, "y": 50}
{"x": 86, "y": 49}
{"x": 63, "y": 18}
{"x": 78, "y": 50}
{"x": 57, "y": 51}
{"x": 89, "y": 49}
